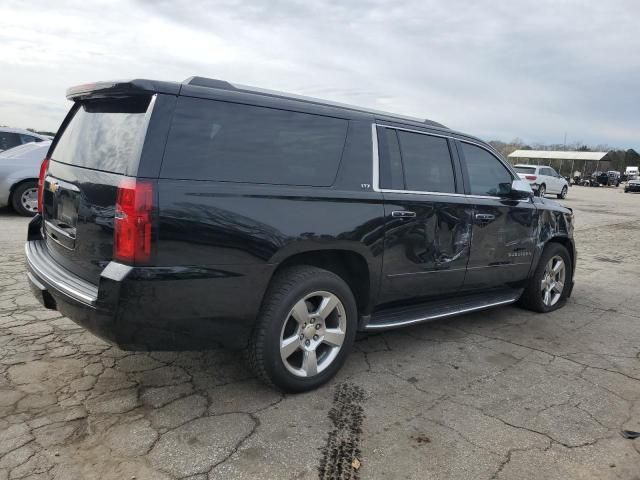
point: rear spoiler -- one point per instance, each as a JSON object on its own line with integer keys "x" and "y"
{"x": 117, "y": 88}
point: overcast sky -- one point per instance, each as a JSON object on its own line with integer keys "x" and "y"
{"x": 496, "y": 69}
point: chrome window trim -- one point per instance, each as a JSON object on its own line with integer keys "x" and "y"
{"x": 376, "y": 164}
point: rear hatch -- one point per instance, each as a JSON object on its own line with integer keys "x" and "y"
{"x": 527, "y": 174}
{"x": 97, "y": 151}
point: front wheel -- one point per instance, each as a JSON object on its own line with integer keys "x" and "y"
{"x": 305, "y": 330}
{"x": 549, "y": 286}
{"x": 563, "y": 193}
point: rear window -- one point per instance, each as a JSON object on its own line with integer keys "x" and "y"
{"x": 105, "y": 135}
{"x": 525, "y": 170}
{"x": 213, "y": 140}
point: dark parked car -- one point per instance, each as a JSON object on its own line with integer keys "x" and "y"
{"x": 605, "y": 179}
{"x": 174, "y": 213}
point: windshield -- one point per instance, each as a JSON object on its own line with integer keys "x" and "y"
{"x": 526, "y": 170}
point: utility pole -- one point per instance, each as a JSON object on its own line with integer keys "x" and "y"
{"x": 565, "y": 141}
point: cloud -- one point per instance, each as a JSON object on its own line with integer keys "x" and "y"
{"x": 528, "y": 69}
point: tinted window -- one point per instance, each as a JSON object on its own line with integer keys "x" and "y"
{"x": 27, "y": 139}
{"x": 9, "y": 140}
{"x": 526, "y": 170}
{"x": 487, "y": 175}
{"x": 391, "y": 176}
{"x": 427, "y": 162}
{"x": 211, "y": 140}
{"x": 105, "y": 135}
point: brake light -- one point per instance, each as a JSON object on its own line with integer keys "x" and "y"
{"x": 530, "y": 177}
{"x": 43, "y": 171}
{"x": 132, "y": 223}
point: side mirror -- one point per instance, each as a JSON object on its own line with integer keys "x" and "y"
{"x": 520, "y": 190}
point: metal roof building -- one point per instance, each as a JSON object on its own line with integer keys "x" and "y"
{"x": 585, "y": 162}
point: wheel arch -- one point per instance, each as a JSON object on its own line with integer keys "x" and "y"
{"x": 15, "y": 185}
{"x": 566, "y": 243}
{"x": 348, "y": 264}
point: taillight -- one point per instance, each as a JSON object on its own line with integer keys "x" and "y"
{"x": 530, "y": 177}
{"x": 43, "y": 172}
{"x": 132, "y": 223}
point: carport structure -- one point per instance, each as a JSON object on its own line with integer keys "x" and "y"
{"x": 564, "y": 162}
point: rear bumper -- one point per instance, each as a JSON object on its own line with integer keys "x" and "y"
{"x": 81, "y": 301}
{"x": 162, "y": 308}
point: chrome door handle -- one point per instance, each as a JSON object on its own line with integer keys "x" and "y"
{"x": 403, "y": 214}
{"x": 485, "y": 217}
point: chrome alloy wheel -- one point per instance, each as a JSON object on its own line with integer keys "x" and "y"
{"x": 29, "y": 200}
{"x": 553, "y": 281}
{"x": 313, "y": 333}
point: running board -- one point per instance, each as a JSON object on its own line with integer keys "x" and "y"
{"x": 435, "y": 310}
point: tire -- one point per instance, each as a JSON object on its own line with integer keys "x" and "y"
{"x": 563, "y": 193}
{"x": 282, "y": 317}
{"x": 22, "y": 199}
{"x": 542, "y": 189}
{"x": 533, "y": 297}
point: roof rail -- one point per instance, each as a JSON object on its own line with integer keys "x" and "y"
{"x": 223, "y": 85}
{"x": 209, "y": 82}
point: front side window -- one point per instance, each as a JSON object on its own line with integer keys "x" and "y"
{"x": 427, "y": 163}
{"x": 232, "y": 142}
{"x": 487, "y": 175}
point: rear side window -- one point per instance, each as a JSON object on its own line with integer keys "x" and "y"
{"x": 526, "y": 170}
{"x": 391, "y": 172}
{"x": 427, "y": 163}
{"x": 9, "y": 140}
{"x": 487, "y": 175}
{"x": 230, "y": 142}
{"x": 105, "y": 135}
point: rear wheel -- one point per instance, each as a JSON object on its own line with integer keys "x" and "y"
{"x": 542, "y": 190}
{"x": 549, "y": 286}
{"x": 25, "y": 199}
{"x": 563, "y": 193}
{"x": 305, "y": 330}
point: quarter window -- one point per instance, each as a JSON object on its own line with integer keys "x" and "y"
{"x": 487, "y": 175}
{"x": 231, "y": 142}
{"x": 28, "y": 139}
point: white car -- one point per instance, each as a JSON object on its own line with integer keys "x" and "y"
{"x": 19, "y": 170}
{"x": 543, "y": 180}
{"x": 13, "y": 137}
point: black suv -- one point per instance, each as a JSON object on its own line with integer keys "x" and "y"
{"x": 202, "y": 212}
